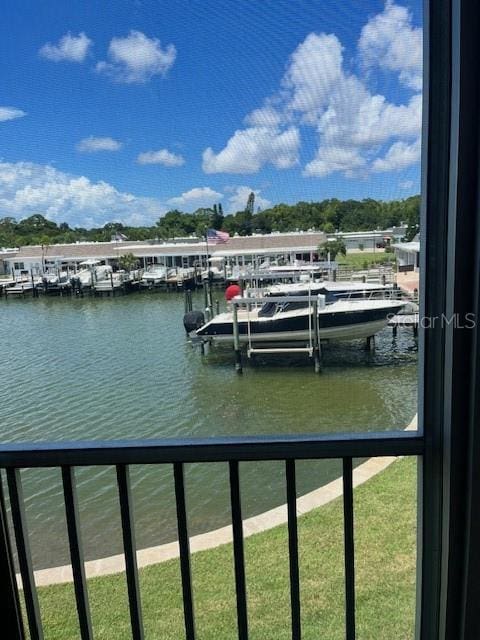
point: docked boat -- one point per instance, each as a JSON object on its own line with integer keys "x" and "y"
{"x": 54, "y": 282}
{"x": 154, "y": 275}
{"x": 331, "y": 290}
{"x": 91, "y": 274}
{"x": 181, "y": 275}
{"x": 291, "y": 320}
{"x": 216, "y": 271}
{"x": 21, "y": 288}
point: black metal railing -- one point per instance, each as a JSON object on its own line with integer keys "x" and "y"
{"x": 67, "y": 456}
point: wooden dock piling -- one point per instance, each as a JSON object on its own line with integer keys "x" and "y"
{"x": 236, "y": 340}
{"x": 188, "y": 301}
{"x": 317, "y": 355}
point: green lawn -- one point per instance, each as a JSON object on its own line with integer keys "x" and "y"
{"x": 364, "y": 259}
{"x": 385, "y": 529}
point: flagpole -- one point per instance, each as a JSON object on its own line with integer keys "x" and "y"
{"x": 208, "y": 283}
{"x": 208, "y": 263}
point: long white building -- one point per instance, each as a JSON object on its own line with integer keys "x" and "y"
{"x": 238, "y": 251}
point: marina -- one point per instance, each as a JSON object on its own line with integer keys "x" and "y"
{"x": 101, "y": 351}
{"x": 121, "y": 367}
{"x": 171, "y": 265}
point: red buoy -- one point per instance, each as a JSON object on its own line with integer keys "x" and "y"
{"x": 231, "y": 291}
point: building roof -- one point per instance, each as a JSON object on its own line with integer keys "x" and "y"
{"x": 411, "y": 247}
{"x": 302, "y": 242}
{"x": 374, "y": 233}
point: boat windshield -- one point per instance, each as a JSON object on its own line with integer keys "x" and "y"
{"x": 267, "y": 310}
{"x": 293, "y": 306}
{"x": 270, "y": 308}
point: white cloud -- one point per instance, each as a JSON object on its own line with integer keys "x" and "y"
{"x": 195, "y": 198}
{"x": 70, "y": 48}
{"x": 163, "y": 156}
{"x": 206, "y": 197}
{"x": 330, "y": 159}
{"x": 317, "y": 90}
{"x": 93, "y": 144}
{"x": 27, "y": 188}
{"x": 266, "y": 116}
{"x": 399, "y": 156}
{"x": 239, "y": 198}
{"x": 350, "y": 120}
{"x": 248, "y": 150}
{"x": 356, "y": 117}
{"x": 314, "y": 70}
{"x": 355, "y": 123}
{"x": 10, "y": 113}
{"x": 137, "y": 58}
{"x": 390, "y": 41}
{"x": 406, "y": 184}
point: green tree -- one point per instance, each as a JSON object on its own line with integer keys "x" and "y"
{"x": 38, "y": 225}
{"x": 412, "y": 218}
{"x": 171, "y": 225}
{"x": 128, "y": 261}
{"x": 217, "y": 217}
{"x": 328, "y": 215}
{"x": 332, "y": 247}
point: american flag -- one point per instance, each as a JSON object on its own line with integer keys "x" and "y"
{"x": 217, "y": 237}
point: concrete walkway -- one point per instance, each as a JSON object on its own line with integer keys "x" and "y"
{"x": 409, "y": 281}
{"x": 211, "y": 539}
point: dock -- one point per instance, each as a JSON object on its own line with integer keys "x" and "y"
{"x": 404, "y": 320}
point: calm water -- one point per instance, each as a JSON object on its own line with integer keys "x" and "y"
{"x": 122, "y": 368}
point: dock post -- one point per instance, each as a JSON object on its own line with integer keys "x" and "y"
{"x": 209, "y": 295}
{"x": 317, "y": 356}
{"x": 205, "y": 294}
{"x": 236, "y": 340}
{"x": 188, "y": 301}
{"x": 370, "y": 344}
{"x": 395, "y": 329}
{"x": 33, "y": 284}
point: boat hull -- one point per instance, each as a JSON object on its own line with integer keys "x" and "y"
{"x": 349, "y": 325}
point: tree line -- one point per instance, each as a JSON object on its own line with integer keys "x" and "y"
{"x": 328, "y": 215}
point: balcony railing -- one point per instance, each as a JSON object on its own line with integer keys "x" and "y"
{"x": 67, "y": 456}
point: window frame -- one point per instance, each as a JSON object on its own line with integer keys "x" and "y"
{"x": 449, "y": 404}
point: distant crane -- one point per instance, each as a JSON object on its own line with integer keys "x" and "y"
{"x": 250, "y": 204}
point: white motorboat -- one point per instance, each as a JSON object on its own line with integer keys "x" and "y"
{"x": 291, "y": 320}
{"x": 216, "y": 270}
{"x": 154, "y": 275}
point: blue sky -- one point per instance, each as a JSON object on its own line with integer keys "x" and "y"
{"x": 124, "y": 112}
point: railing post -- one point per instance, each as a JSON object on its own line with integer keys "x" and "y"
{"x": 10, "y": 613}
{"x": 349, "y": 549}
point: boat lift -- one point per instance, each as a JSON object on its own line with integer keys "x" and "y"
{"x": 313, "y": 348}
